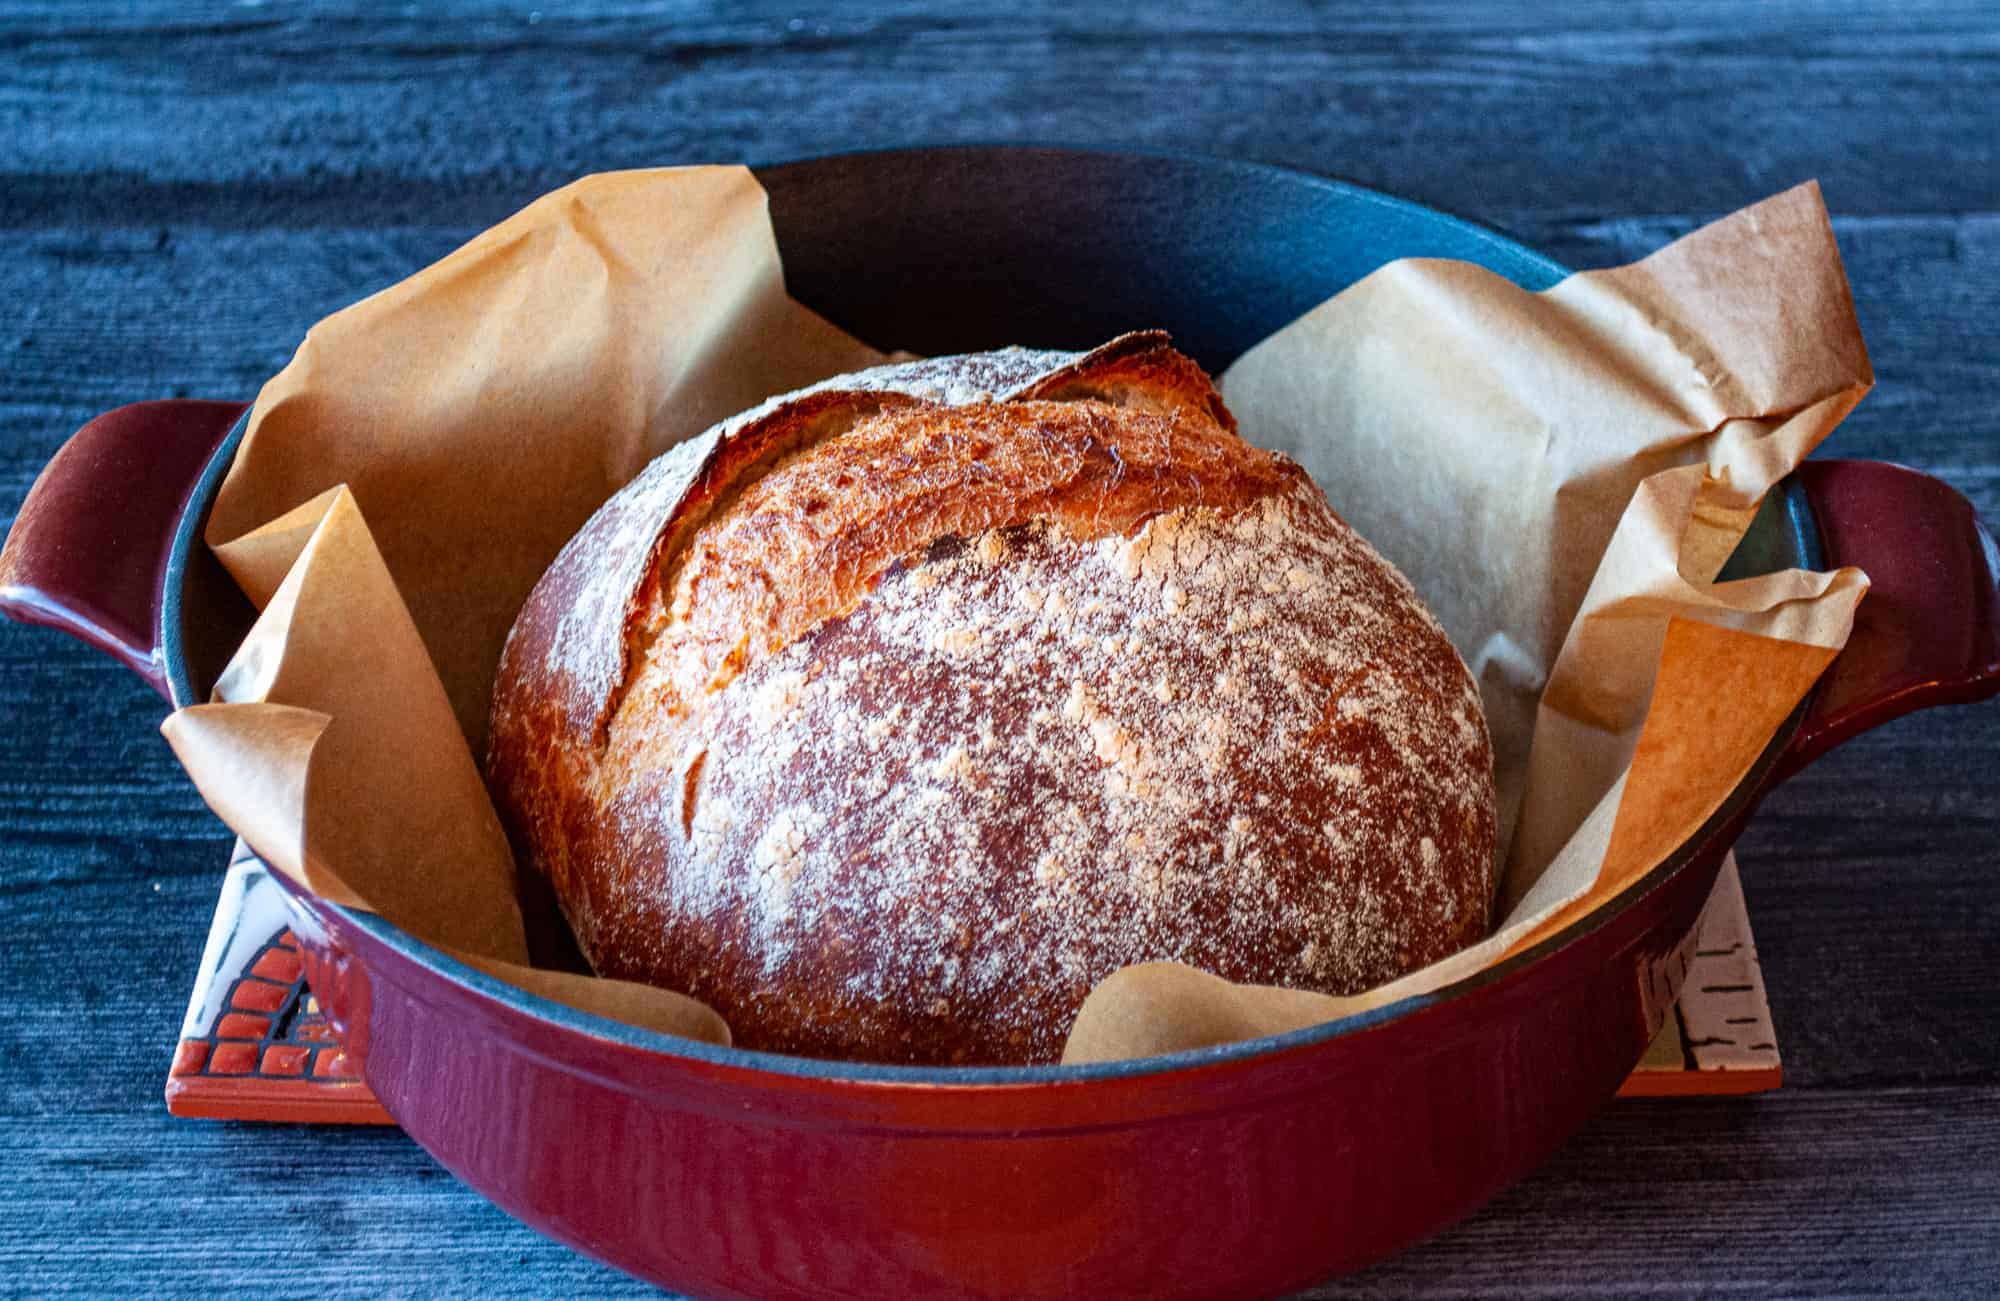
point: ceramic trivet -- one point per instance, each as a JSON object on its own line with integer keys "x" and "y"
{"x": 254, "y": 1045}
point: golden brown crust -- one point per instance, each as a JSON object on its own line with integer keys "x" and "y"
{"x": 804, "y": 540}
{"x": 860, "y": 720}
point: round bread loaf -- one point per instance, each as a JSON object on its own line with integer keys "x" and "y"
{"x": 892, "y": 715}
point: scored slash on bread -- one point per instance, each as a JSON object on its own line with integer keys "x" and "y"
{"x": 569, "y": 648}
{"x": 890, "y": 715}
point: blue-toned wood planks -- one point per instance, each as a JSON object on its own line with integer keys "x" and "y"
{"x": 183, "y": 193}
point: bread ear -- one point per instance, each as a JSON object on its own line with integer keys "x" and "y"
{"x": 1140, "y": 370}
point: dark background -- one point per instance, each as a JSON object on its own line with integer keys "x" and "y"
{"x": 185, "y": 189}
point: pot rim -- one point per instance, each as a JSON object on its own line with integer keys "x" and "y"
{"x": 1797, "y": 521}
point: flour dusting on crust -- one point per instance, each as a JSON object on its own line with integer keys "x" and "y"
{"x": 1027, "y": 761}
{"x": 892, "y": 715}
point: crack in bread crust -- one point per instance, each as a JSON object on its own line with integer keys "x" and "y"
{"x": 806, "y": 540}
{"x": 832, "y": 448}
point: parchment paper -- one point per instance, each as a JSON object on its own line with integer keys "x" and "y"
{"x": 482, "y": 409}
{"x": 1561, "y": 474}
{"x": 1583, "y": 459}
{"x": 332, "y": 750}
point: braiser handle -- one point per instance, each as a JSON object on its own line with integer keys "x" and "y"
{"x": 1928, "y": 632}
{"x": 88, "y": 552}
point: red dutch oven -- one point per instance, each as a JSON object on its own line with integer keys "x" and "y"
{"x": 1250, "y": 1168}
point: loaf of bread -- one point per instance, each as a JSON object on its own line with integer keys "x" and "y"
{"x": 892, "y": 715}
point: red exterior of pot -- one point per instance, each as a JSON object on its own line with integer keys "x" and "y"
{"x": 1250, "y": 1168}
{"x": 1253, "y": 1169}
{"x": 1253, "y": 1175}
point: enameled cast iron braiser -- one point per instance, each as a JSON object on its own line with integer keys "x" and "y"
{"x": 1251, "y": 1168}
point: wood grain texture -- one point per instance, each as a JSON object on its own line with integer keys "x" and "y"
{"x": 1777, "y": 1196}
{"x": 183, "y": 192}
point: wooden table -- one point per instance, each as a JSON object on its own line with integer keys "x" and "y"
{"x": 183, "y": 196}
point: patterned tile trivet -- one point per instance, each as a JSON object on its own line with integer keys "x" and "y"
{"x": 1719, "y": 1038}
{"x": 254, "y": 1045}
